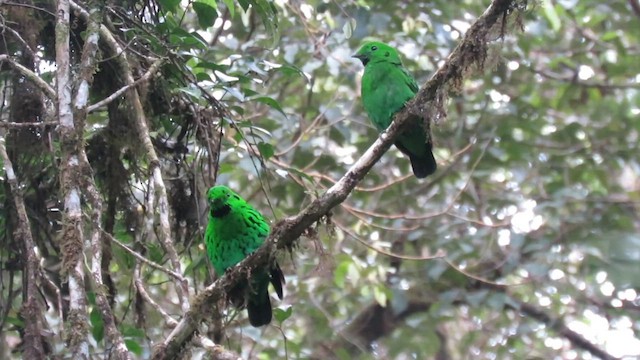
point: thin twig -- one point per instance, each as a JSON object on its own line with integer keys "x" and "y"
{"x": 22, "y": 42}
{"x": 154, "y": 265}
{"x": 31, "y": 76}
{"x": 150, "y": 73}
{"x": 145, "y": 295}
{"x": 438, "y": 255}
{"x": 22, "y": 125}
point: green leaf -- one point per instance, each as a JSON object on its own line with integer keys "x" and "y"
{"x": 91, "y": 297}
{"x": 207, "y": 12}
{"x": 536, "y": 270}
{"x": 497, "y": 300}
{"x": 449, "y": 296}
{"x": 226, "y": 168}
{"x": 133, "y": 332}
{"x": 610, "y": 35}
{"x": 475, "y": 298}
{"x": 249, "y": 92}
{"x": 169, "y": 5}
{"x": 266, "y": 150}
{"x": 97, "y": 326}
{"x": 15, "y": 321}
{"x": 244, "y": 4}
{"x": 187, "y": 40}
{"x": 271, "y": 102}
{"x": 551, "y": 15}
{"x": 340, "y": 274}
{"x": 202, "y": 76}
{"x": 194, "y": 92}
{"x": 348, "y": 28}
{"x": 343, "y": 354}
{"x": 268, "y": 14}
{"x": 291, "y": 70}
{"x": 380, "y": 294}
{"x": 155, "y": 252}
{"x": 231, "y": 6}
{"x": 282, "y": 315}
{"x": 436, "y": 269}
{"x": 212, "y": 66}
{"x": 133, "y": 346}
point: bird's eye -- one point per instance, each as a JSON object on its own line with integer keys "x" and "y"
{"x": 374, "y": 48}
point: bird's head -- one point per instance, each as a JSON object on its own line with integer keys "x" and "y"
{"x": 373, "y": 52}
{"x": 218, "y": 198}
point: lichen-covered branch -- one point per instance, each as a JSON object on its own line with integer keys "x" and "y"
{"x": 153, "y": 69}
{"x": 285, "y": 232}
{"x": 80, "y": 107}
{"x": 157, "y": 184}
{"x": 30, "y": 75}
{"x": 471, "y": 52}
{"x": 139, "y": 257}
{"x": 32, "y": 310}
{"x": 22, "y": 125}
{"x": 71, "y": 238}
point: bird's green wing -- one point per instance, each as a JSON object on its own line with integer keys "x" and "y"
{"x": 409, "y": 80}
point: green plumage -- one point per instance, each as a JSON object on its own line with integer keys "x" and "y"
{"x": 386, "y": 87}
{"x": 235, "y": 230}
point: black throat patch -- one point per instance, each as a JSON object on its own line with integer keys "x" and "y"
{"x": 221, "y": 212}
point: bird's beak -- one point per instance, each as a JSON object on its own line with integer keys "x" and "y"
{"x": 362, "y": 57}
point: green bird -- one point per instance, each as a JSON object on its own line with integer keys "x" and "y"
{"x": 386, "y": 87}
{"x": 235, "y": 230}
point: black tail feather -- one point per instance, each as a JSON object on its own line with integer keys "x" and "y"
{"x": 277, "y": 279}
{"x": 422, "y": 166}
{"x": 259, "y": 310}
{"x": 258, "y": 302}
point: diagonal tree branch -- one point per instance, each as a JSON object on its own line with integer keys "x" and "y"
{"x": 559, "y": 326}
{"x": 428, "y": 102}
{"x": 32, "y": 76}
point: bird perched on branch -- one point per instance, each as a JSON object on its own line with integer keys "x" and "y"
{"x": 235, "y": 230}
{"x": 386, "y": 87}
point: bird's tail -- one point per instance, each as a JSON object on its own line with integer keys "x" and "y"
{"x": 423, "y": 166}
{"x": 258, "y": 302}
{"x": 259, "y": 309}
